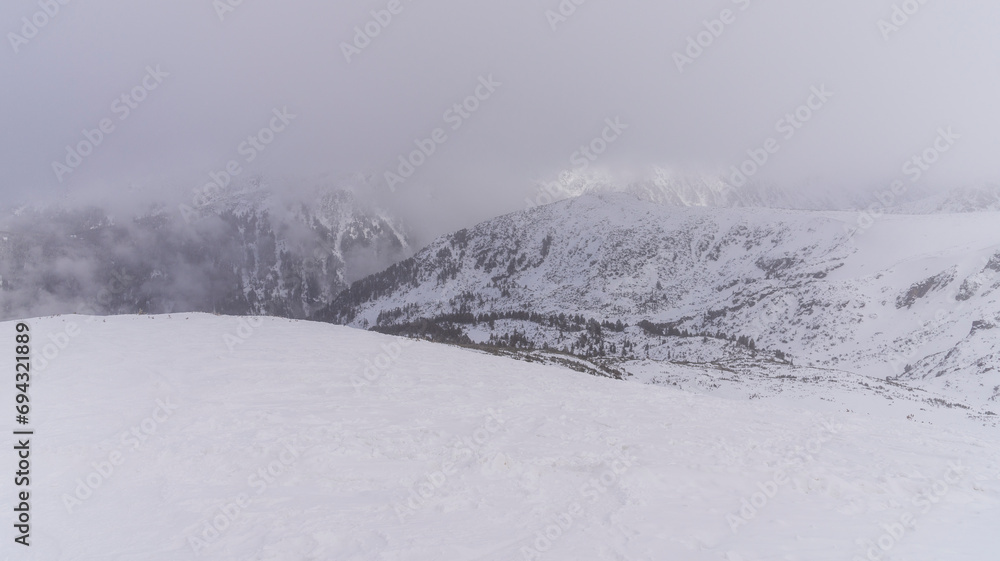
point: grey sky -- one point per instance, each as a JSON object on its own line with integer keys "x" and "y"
{"x": 557, "y": 86}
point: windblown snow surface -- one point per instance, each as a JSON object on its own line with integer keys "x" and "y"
{"x": 197, "y": 436}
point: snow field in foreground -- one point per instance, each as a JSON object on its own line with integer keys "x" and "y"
{"x": 200, "y": 436}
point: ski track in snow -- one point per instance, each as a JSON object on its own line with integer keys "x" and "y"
{"x": 636, "y": 472}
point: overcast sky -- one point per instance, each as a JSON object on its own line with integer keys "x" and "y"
{"x": 219, "y": 74}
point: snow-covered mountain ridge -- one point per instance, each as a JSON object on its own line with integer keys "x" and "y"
{"x": 244, "y": 251}
{"x": 910, "y": 296}
{"x": 676, "y": 187}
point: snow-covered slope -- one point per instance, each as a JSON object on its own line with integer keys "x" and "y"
{"x": 197, "y": 436}
{"x": 912, "y": 296}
